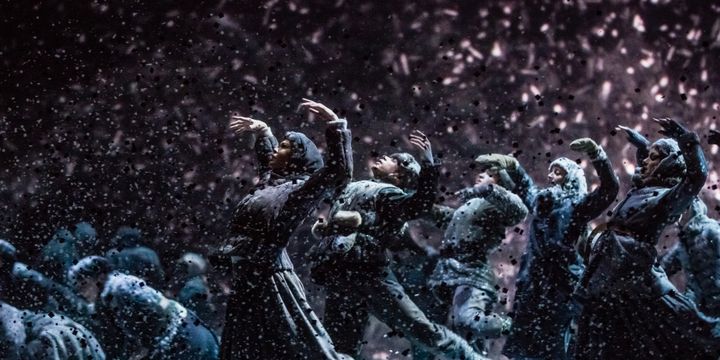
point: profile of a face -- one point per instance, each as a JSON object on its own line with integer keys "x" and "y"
{"x": 281, "y": 157}
{"x": 651, "y": 162}
{"x": 556, "y": 176}
{"x": 488, "y": 177}
{"x": 89, "y": 288}
{"x": 385, "y": 168}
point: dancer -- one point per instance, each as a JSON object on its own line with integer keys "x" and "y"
{"x": 268, "y": 316}
{"x": 630, "y": 309}
{"x": 551, "y": 265}
{"x": 463, "y": 280}
{"x": 366, "y": 219}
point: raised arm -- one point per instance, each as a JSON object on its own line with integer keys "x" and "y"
{"x": 524, "y": 186}
{"x": 680, "y": 196}
{"x": 265, "y": 141}
{"x": 510, "y": 206}
{"x": 599, "y": 199}
{"x": 641, "y": 143}
{"x": 336, "y": 172}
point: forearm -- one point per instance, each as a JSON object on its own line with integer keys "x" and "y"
{"x": 599, "y": 200}
{"x": 339, "y": 164}
{"x": 265, "y": 145}
{"x": 508, "y": 204}
{"x": 681, "y": 195}
{"x": 524, "y": 185}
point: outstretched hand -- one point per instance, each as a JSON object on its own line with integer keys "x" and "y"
{"x": 634, "y": 137}
{"x": 585, "y": 145}
{"x": 714, "y": 137}
{"x": 422, "y": 142}
{"x": 318, "y": 109}
{"x": 497, "y": 161}
{"x": 671, "y": 128}
{"x": 241, "y": 124}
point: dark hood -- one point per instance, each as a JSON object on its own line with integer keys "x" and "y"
{"x": 306, "y": 158}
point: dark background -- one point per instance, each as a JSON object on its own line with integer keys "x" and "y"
{"x": 117, "y": 112}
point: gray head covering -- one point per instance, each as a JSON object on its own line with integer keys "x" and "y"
{"x": 575, "y": 184}
{"x": 672, "y": 167}
{"x": 409, "y": 169}
{"x": 88, "y": 267}
{"x": 306, "y": 158}
{"x": 192, "y": 264}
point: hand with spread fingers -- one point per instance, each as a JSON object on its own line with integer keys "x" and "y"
{"x": 671, "y": 128}
{"x": 242, "y": 124}
{"x": 422, "y": 142}
{"x": 714, "y": 137}
{"x": 585, "y": 145}
{"x": 318, "y": 109}
{"x": 497, "y": 161}
{"x": 634, "y": 137}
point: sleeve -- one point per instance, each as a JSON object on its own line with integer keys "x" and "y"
{"x": 406, "y": 206}
{"x": 336, "y": 173}
{"x": 600, "y": 199}
{"x": 675, "y": 201}
{"x": 265, "y": 145}
{"x": 509, "y": 205}
{"x": 525, "y": 187}
{"x": 670, "y": 262}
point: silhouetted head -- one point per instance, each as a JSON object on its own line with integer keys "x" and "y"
{"x": 399, "y": 169}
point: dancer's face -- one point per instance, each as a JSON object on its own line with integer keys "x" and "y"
{"x": 488, "y": 177}
{"x": 652, "y": 161}
{"x": 281, "y": 157}
{"x": 556, "y": 176}
{"x": 384, "y": 167}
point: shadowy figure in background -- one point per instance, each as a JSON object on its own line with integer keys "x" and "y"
{"x": 136, "y": 321}
{"x": 24, "y": 287}
{"x": 58, "y": 255}
{"x": 130, "y": 256}
{"x": 86, "y": 240}
{"x": 29, "y": 335}
{"x": 551, "y": 266}
{"x": 192, "y": 287}
{"x": 268, "y": 316}
{"x": 630, "y": 308}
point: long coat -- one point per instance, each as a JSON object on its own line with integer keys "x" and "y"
{"x": 268, "y": 316}
{"x": 630, "y": 309}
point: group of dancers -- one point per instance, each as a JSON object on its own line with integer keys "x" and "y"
{"x": 600, "y": 294}
{"x": 582, "y": 293}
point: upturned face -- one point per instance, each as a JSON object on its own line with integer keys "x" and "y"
{"x": 89, "y": 288}
{"x": 651, "y": 162}
{"x": 488, "y": 177}
{"x": 384, "y": 167}
{"x": 556, "y": 176}
{"x": 281, "y": 157}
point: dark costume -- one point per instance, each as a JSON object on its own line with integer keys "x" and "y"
{"x": 58, "y": 255}
{"x": 551, "y": 266}
{"x": 353, "y": 265}
{"x": 194, "y": 292}
{"x": 630, "y": 309}
{"x": 133, "y": 316}
{"x": 463, "y": 279}
{"x": 130, "y": 256}
{"x": 698, "y": 254}
{"x": 268, "y": 316}
{"x": 22, "y": 286}
{"x": 29, "y": 335}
